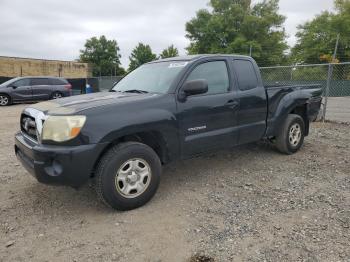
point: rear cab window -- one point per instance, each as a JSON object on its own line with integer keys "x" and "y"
{"x": 245, "y": 74}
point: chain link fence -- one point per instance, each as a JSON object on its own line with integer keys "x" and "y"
{"x": 334, "y": 76}
{"x": 334, "y": 80}
{"x": 105, "y": 83}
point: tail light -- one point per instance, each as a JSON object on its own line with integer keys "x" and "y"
{"x": 68, "y": 86}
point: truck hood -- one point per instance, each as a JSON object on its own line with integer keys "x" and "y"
{"x": 76, "y": 104}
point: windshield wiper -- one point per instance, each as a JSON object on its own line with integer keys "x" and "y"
{"x": 138, "y": 91}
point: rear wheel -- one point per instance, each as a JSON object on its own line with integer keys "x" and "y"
{"x": 4, "y": 100}
{"x": 291, "y": 136}
{"x": 128, "y": 176}
{"x": 56, "y": 95}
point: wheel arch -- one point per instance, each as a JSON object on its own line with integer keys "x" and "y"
{"x": 153, "y": 139}
{"x": 298, "y": 107}
{"x": 55, "y": 92}
{"x": 301, "y": 110}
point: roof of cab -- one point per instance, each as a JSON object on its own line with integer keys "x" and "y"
{"x": 196, "y": 57}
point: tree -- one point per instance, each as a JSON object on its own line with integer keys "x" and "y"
{"x": 140, "y": 55}
{"x": 104, "y": 56}
{"x": 171, "y": 51}
{"x": 237, "y": 26}
{"x": 316, "y": 39}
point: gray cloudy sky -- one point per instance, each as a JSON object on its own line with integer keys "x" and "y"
{"x": 58, "y": 29}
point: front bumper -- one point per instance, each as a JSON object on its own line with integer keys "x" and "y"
{"x": 58, "y": 165}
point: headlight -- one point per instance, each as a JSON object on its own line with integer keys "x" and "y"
{"x": 62, "y": 128}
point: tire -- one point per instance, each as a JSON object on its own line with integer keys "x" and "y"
{"x": 291, "y": 135}
{"x": 5, "y": 100}
{"x": 120, "y": 180}
{"x": 56, "y": 95}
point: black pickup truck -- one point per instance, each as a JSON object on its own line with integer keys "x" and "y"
{"x": 165, "y": 110}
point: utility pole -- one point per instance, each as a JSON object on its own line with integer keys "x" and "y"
{"x": 250, "y": 50}
{"x": 330, "y": 73}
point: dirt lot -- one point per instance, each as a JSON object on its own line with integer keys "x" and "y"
{"x": 247, "y": 204}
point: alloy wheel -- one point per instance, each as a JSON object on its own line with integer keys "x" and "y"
{"x": 4, "y": 100}
{"x": 57, "y": 95}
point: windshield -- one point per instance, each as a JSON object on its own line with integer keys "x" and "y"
{"x": 9, "y": 81}
{"x": 151, "y": 78}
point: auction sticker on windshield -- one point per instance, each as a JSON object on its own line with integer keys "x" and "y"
{"x": 174, "y": 65}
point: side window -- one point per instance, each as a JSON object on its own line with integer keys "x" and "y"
{"x": 246, "y": 75}
{"x": 57, "y": 81}
{"x": 39, "y": 81}
{"x": 21, "y": 82}
{"x": 216, "y": 75}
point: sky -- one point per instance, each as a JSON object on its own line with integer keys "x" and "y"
{"x": 58, "y": 29}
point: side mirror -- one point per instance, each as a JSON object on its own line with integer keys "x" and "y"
{"x": 195, "y": 87}
{"x": 13, "y": 87}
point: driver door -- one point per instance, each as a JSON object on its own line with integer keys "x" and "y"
{"x": 208, "y": 121}
{"x": 21, "y": 90}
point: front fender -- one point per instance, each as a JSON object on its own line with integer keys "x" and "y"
{"x": 110, "y": 127}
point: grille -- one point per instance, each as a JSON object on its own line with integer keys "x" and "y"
{"x": 28, "y": 126}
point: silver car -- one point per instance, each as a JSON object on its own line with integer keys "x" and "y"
{"x": 24, "y": 89}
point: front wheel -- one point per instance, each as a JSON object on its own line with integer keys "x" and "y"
{"x": 291, "y": 135}
{"x": 4, "y": 100}
{"x": 128, "y": 176}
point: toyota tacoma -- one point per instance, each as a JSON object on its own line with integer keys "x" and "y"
{"x": 169, "y": 109}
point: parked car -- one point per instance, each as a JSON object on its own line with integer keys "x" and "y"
{"x": 24, "y": 89}
{"x": 163, "y": 111}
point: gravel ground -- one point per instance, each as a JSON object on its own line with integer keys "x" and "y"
{"x": 338, "y": 109}
{"x": 246, "y": 204}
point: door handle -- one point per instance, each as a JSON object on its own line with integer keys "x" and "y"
{"x": 232, "y": 104}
